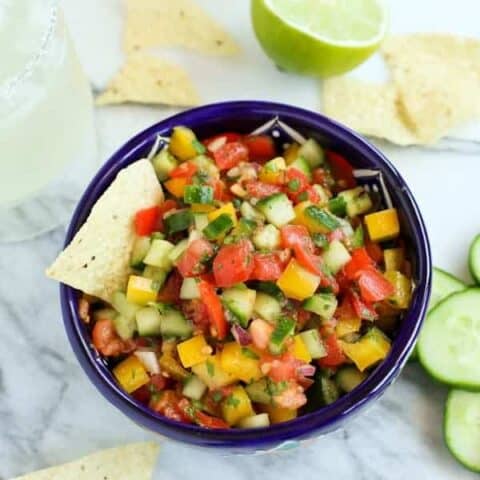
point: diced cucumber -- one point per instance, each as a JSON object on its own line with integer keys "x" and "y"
{"x": 104, "y": 313}
{"x": 338, "y": 206}
{"x": 314, "y": 343}
{"x": 124, "y": 326}
{"x": 122, "y": 306}
{"x": 449, "y": 343}
{"x": 276, "y": 164}
{"x": 251, "y": 213}
{"x": 259, "y": 391}
{"x": 443, "y": 285}
{"x": 243, "y": 229}
{"x": 312, "y": 152}
{"x": 357, "y": 201}
{"x": 284, "y": 329}
{"x": 461, "y": 431}
{"x": 139, "y": 251}
{"x": 322, "y": 218}
{"x": 174, "y": 324}
{"x": 239, "y": 302}
{"x": 277, "y": 208}
{"x": 158, "y": 253}
{"x": 474, "y": 259}
{"x": 267, "y": 237}
{"x": 178, "y": 221}
{"x": 349, "y": 377}
{"x": 155, "y": 273}
{"x": 302, "y": 165}
{"x": 189, "y": 289}
{"x": 330, "y": 391}
{"x": 218, "y": 227}
{"x": 205, "y": 164}
{"x": 194, "y": 388}
{"x": 336, "y": 256}
{"x": 177, "y": 251}
{"x": 200, "y": 194}
{"x": 255, "y": 421}
{"x": 267, "y": 307}
{"x": 163, "y": 163}
{"x": 323, "y": 304}
{"x": 149, "y": 322}
{"x": 200, "y": 221}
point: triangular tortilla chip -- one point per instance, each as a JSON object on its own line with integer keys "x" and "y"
{"x": 438, "y": 80}
{"x": 97, "y": 261}
{"x": 368, "y": 108}
{"x": 147, "y": 79}
{"x": 169, "y": 23}
{"x": 130, "y": 462}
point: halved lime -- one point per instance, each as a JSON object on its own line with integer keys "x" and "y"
{"x": 319, "y": 37}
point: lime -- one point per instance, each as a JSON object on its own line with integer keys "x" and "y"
{"x": 318, "y": 37}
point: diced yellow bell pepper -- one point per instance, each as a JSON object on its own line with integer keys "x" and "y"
{"x": 131, "y": 374}
{"x": 140, "y": 290}
{"x": 370, "y": 349}
{"x": 212, "y": 374}
{"x": 194, "y": 350}
{"x": 302, "y": 219}
{"x": 300, "y": 350}
{"x": 394, "y": 258}
{"x": 291, "y": 153}
{"x": 202, "y": 208}
{"x": 228, "y": 208}
{"x": 297, "y": 282}
{"x": 273, "y": 171}
{"x": 346, "y": 326}
{"x": 403, "y": 289}
{"x": 237, "y": 406}
{"x": 279, "y": 414}
{"x": 240, "y": 362}
{"x": 182, "y": 143}
{"x": 176, "y": 186}
{"x": 383, "y": 225}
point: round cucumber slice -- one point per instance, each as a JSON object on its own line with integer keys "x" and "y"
{"x": 462, "y": 427}
{"x": 449, "y": 343}
{"x": 474, "y": 259}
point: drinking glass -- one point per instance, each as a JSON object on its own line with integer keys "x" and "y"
{"x": 47, "y": 136}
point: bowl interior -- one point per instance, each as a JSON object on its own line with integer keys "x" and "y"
{"x": 244, "y": 117}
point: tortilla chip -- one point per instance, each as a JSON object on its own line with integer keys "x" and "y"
{"x": 366, "y": 108}
{"x": 438, "y": 80}
{"x": 97, "y": 261}
{"x": 147, "y": 79}
{"x": 169, "y": 23}
{"x": 130, "y": 462}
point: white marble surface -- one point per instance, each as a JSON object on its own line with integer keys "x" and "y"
{"x": 49, "y": 411}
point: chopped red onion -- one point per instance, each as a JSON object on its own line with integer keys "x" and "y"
{"x": 149, "y": 360}
{"x": 241, "y": 336}
{"x": 306, "y": 370}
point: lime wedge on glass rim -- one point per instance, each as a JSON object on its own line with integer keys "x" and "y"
{"x": 319, "y": 37}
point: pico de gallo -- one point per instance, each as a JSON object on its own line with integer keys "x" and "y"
{"x": 266, "y": 285}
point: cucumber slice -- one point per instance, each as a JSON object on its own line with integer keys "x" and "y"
{"x": 323, "y": 304}
{"x": 123, "y": 307}
{"x": 336, "y": 256}
{"x": 322, "y": 218}
{"x": 177, "y": 251}
{"x": 194, "y": 388}
{"x": 313, "y": 342}
{"x": 259, "y": 392}
{"x": 104, "y": 313}
{"x": 239, "y": 303}
{"x": 250, "y": 213}
{"x": 461, "y": 427}
{"x": 349, "y": 377}
{"x": 267, "y": 307}
{"x": 157, "y": 255}
{"x": 357, "y": 201}
{"x": 189, "y": 289}
{"x": 255, "y": 421}
{"x": 329, "y": 390}
{"x": 283, "y": 331}
{"x": 443, "y": 285}
{"x": 125, "y": 326}
{"x": 338, "y": 206}
{"x": 219, "y": 227}
{"x": 178, "y": 221}
{"x": 174, "y": 324}
{"x": 139, "y": 251}
{"x": 267, "y": 237}
{"x": 474, "y": 259}
{"x": 277, "y": 208}
{"x": 449, "y": 343}
{"x": 200, "y": 221}
{"x": 200, "y": 194}
{"x": 163, "y": 164}
{"x": 312, "y": 152}
{"x": 149, "y": 322}
{"x": 156, "y": 274}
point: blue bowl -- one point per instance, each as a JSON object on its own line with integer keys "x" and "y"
{"x": 244, "y": 117}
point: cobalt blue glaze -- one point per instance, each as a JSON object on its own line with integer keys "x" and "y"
{"x": 244, "y": 116}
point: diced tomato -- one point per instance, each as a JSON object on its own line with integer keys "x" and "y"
{"x": 260, "y": 147}
{"x": 298, "y": 238}
{"x": 335, "y": 355}
{"x": 374, "y": 287}
{"x": 214, "y": 143}
{"x": 167, "y": 404}
{"x": 345, "y": 310}
{"x": 362, "y": 309}
{"x": 208, "y": 421}
{"x": 233, "y": 264}
{"x": 302, "y": 317}
{"x": 295, "y": 181}
{"x": 230, "y": 155}
{"x": 158, "y": 382}
{"x": 209, "y": 297}
{"x": 260, "y": 189}
{"x": 196, "y": 311}
{"x": 342, "y": 170}
{"x": 185, "y": 169}
{"x": 165, "y": 207}
{"x": 268, "y": 267}
{"x": 311, "y": 195}
{"x": 146, "y": 220}
{"x": 375, "y": 251}
{"x": 170, "y": 293}
{"x": 192, "y": 262}
{"x": 142, "y": 394}
{"x": 320, "y": 176}
{"x": 283, "y": 368}
{"x": 220, "y": 191}
{"x": 360, "y": 260}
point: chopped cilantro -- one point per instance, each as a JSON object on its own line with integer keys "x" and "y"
{"x": 217, "y": 396}
{"x": 232, "y": 401}
{"x": 276, "y": 388}
{"x": 320, "y": 240}
{"x": 198, "y": 146}
{"x": 210, "y": 368}
{"x": 302, "y": 197}
{"x": 249, "y": 353}
{"x": 294, "y": 185}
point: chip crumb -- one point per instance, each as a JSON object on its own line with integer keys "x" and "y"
{"x": 148, "y": 79}
{"x": 167, "y": 23}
